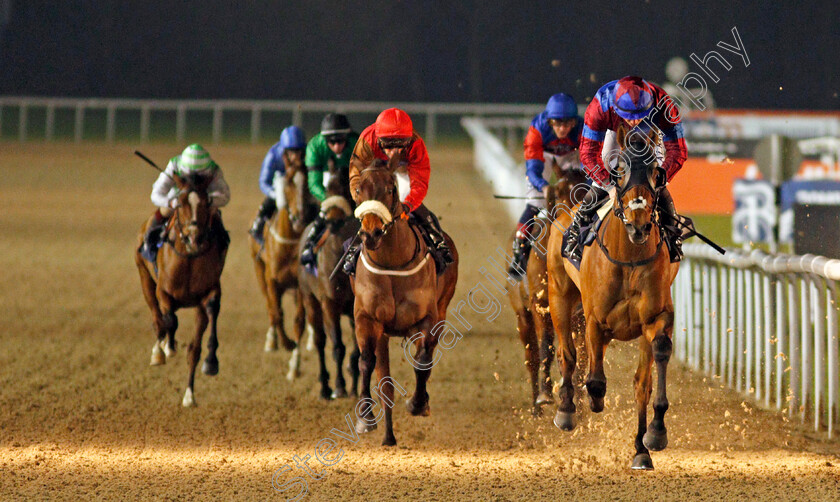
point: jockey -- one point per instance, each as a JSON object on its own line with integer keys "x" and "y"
{"x": 393, "y": 134}
{"x": 630, "y": 102}
{"x": 334, "y": 144}
{"x": 288, "y": 150}
{"x": 193, "y": 161}
{"x": 553, "y": 133}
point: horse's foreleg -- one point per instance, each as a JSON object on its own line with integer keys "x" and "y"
{"x": 353, "y": 363}
{"x": 299, "y": 327}
{"x": 528, "y": 337}
{"x": 561, "y": 318}
{"x": 314, "y": 317}
{"x": 367, "y": 333}
{"x": 212, "y": 305}
{"x": 275, "y": 313}
{"x": 149, "y": 287}
{"x": 423, "y": 360}
{"x": 596, "y": 380}
{"x": 545, "y": 333}
{"x": 642, "y": 386}
{"x": 194, "y": 354}
{"x": 332, "y": 325}
{"x": 659, "y": 333}
{"x": 385, "y": 388}
{"x": 259, "y": 267}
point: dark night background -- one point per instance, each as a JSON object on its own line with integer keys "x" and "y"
{"x": 469, "y": 51}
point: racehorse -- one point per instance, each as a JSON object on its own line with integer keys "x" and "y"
{"x": 326, "y": 299}
{"x": 530, "y": 298}
{"x": 276, "y": 263}
{"x": 186, "y": 274}
{"x": 624, "y": 284}
{"x": 398, "y": 293}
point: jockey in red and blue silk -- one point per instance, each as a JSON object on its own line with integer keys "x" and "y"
{"x": 553, "y": 135}
{"x": 631, "y": 104}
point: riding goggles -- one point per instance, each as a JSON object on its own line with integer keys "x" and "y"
{"x": 391, "y": 143}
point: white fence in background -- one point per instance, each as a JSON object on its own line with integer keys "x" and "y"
{"x": 430, "y": 111}
{"x": 766, "y": 325}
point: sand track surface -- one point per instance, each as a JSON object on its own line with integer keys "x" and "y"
{"x": 83, "y": 415}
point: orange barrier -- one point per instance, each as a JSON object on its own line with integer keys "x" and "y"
{"x": 703, "y": 187}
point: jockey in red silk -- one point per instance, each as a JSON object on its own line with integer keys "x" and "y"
{"x": 630, "y": 102}
{"x": 554, "y": 133}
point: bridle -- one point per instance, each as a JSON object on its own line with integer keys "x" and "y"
{"x": 202, "y": 243}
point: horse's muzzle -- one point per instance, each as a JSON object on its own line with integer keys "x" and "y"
{"x": 638, "y": 234}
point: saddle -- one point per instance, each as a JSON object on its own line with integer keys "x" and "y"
{"x": 218, "y": 233}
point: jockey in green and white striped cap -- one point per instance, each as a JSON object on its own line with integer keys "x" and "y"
{"x": 194, "y": 159}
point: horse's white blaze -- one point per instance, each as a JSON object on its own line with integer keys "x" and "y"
{"x": 189, "y": 400}
{"x": 375, "y": 207}
{"x": 157, "y": 355}
{"x": 294, "y": 365}
{"x": 637, "y": 203}
{"x": 193, "y": 198}
{"x": 310, "y": 343}
{"x": 270, "y": 339}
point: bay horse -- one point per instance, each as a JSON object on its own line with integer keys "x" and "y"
{"x": 398, "y": 293}
{"x": 276, "y": 263}
{"x": 624, "y": 285}
{"x": 186, "y": 274}
{"x": 325, "y": 299}
{"x": 530, "y": 298}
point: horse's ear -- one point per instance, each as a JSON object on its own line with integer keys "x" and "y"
{"x": 180, "y": 181}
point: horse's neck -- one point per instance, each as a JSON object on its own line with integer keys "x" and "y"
{"x": 618, "y": 242}
{"x": 398, "y": 246}
{"x": 283, "y": 224}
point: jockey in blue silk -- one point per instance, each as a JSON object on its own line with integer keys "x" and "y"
{"x": 290, "y": 150}
{"x": 629, "y": 104}
{"x": 553, "y": 134}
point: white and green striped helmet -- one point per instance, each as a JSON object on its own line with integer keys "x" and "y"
{"x": 194, "y": 159}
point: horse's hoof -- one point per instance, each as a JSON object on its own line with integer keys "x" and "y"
{"x": 389, "y": 441}
{"x": 544, "y": 398}
{"x": 536, "y": 411}
{"x": 564, "y": 420}
{"x": 340, "y": 393}
{"x": 169, "y": 351}
{"x": 289, "y": 345}
{"x": 362, "y": 427}
{"x": 642, "y": 462}
{"x": 291, "y": 375}
{"x": 327, "y": 393}
{"x": 655, "y": 440}
{"x": 270, "y": 340}
{"x": 596, "y": 404}
{"x": 418, "y": 410}
{"x": 210, "y": 368}
{"x": 157, "y": 357}
{"x": 189, "y": 400}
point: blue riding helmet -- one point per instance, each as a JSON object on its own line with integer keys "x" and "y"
{"x": 633, "y": 98}
{"x": 561, "y": 106}
{"x": 292, "y": 138}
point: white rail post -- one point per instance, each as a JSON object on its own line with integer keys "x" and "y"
{"x": 758, "y": 348}
{"x": 732, "y": 336}
{"x": 431, "y": 127}
{"x": 795, "y": 356}
{"x": 79, "y": 123}
{"x": 743, "y": 320}
{"x": 217, "y": 124}
{"x": 780, "y": 339}
{"x": 707, "y": 316}
{"x": 49, "y": 132}
{"x": 297, "y": 116}
{"x": 769, "y": 310}
{"x": 715, "y": 328}
{"x": 833, "y": 370}
{"x": 145, "y": 120}
{"x": 256, "y": 122}
{"x": 180, "y": 123}
{"x": 697, "y": 317}
{"x": 23, "y": 121}
{"x": 751, "y": 296}
{"x": 818, "y": 310}
{"x": 110, "y": 123}
{"x": 807, "y": 339}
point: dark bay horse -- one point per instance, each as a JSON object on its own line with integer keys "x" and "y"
{"x": 186, "y": 274}
{"x": 624, "y": 284}
{"x": 326, "y": 299}
{"x": 398, "y": 293}
{"x": 530, "y": 299}
{"x": 276, "y": 263}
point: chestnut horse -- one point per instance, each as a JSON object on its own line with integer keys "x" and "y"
{"x": 624, "y": 284}
{"x": 530, "y": 298}
{"x": 326, "y": 299}
{"x": 186, "y": 274}
{"x": 276, "y": 263}
{"x": 398, "y": 293}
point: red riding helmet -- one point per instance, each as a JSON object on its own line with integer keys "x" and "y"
{"x": 393, "y": 123}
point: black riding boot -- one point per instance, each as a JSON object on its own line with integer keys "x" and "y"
{"x": 593, "y": 200}
{"x": 668, "y": 219}
{"x": 350, "y": 259}
{"x": 153, "y": 237}
{"x": 521, "y": 251}
{"x": 267, "y": 209}
{"x": 443, "y": 256}
{"x": 307, "y": 255}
